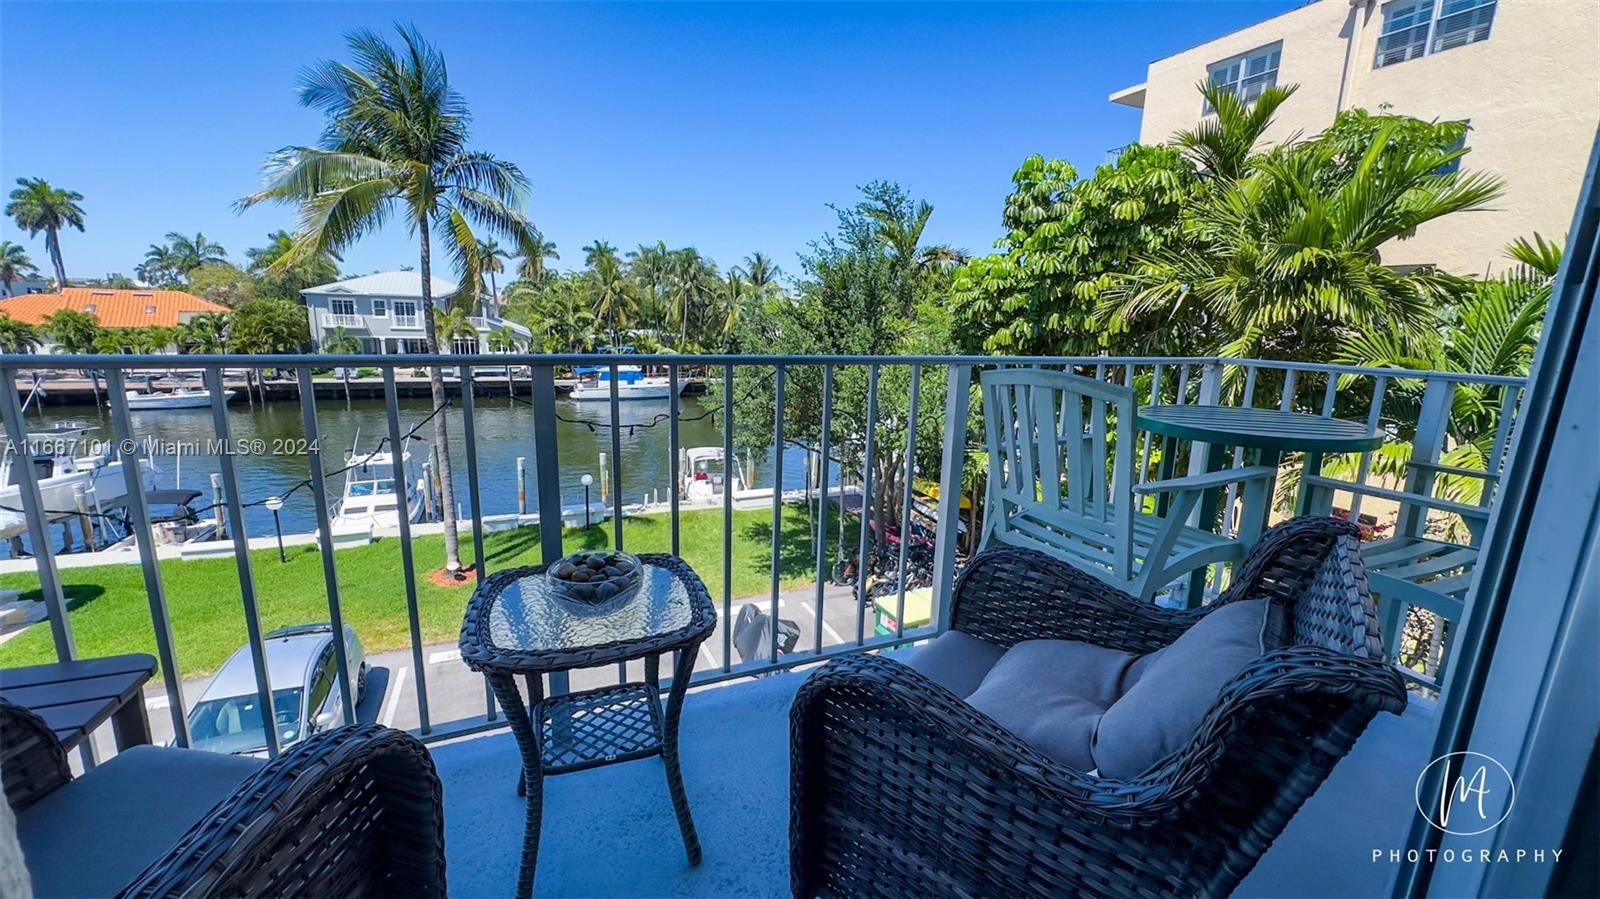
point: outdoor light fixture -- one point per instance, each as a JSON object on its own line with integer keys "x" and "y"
{"x": 586, "y": 480}
{"x": 274, "y": 504}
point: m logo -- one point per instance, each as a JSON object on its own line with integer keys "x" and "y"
{"x": 1468, "y": 789}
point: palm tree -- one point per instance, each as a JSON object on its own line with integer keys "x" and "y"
{"x": 492, "y": 255}
{"x": 17, "y": 336}
{"x": 1222, "y": 144}
{"x": 593, "y": 252}
{"x": 534, "y": 256}
{"x": 36, "y": 206}
{"x": 694, "y": 283}
{"x": 189, "y": 253}
{"x": 14, "y": 266}
{"x": 453, "y": 324}
{"x": 612, "y": 296}
{"x": 760, "y": 271}
{"x": 900, "y": 227}
{"x": 320, "y": 269}
{"x": 1283, "y": 262}
{"x": 161, "y": 266}
{"x": 736, "y": 291}
{"x": 343, "y": 343}
{"x": 504, "y": 340}
{"x": 651, "y": 267}
{"x": 396, "y": 142}
{"x": 206, "y": 333}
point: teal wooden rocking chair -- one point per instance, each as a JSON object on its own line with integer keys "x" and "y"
{"x": 1061, "y": 480}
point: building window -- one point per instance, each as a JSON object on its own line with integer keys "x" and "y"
{"x": 89, "y": 309}
{"x": 1247, "y": 76}
{"x": 380, "y": 308}
{"x": 1454, "y": 165}
{"x": 149, "y": 310}
{"x": 1415, "y": 29}
{"x": 342, "y": 307}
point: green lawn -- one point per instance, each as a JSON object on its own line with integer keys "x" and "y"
{"x": 110, "y": 613}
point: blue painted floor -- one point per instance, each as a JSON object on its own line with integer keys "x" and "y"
{"x": 610, "y": 832}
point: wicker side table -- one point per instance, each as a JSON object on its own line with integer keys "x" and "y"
{"x": 515, "y": 626}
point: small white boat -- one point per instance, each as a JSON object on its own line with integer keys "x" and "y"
{"x": 705, "y": 475}
{"x": 370, "y": 498}
{"x": 172, "y": 519}
{"x": 181, "y": 398}
{"x": 594, "y": 384}
{"x": 65, "y": 478}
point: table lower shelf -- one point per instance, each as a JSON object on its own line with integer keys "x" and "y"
{"x": 598, "y": 727}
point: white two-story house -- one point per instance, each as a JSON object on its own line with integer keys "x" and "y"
{"x": 384, "y": 311}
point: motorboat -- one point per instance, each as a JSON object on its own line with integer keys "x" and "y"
{"x": 173, "y": 521}
{"x": 180, "y": 398}
{"x": 69, "y": 484}
{"x": 370, "y": 498}
{"x": 594, "y": 384}
{"x": 705, "y": 475}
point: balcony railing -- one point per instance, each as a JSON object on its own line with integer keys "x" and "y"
{"x": 926, "y": 437}
{"x": 336, "y": 320}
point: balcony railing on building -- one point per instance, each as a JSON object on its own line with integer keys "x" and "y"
{"x": 1421, "y": 483}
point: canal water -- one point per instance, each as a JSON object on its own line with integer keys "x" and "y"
{"x": 504, "y": 433}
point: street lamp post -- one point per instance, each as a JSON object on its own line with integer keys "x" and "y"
{"x": 586, "y": 480}
{"x": 274, "y": 504}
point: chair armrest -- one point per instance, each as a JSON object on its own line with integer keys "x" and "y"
{"x": 1009, "y": 594}
{"x": 32, "y": 761}
{"x": 353, "y": 811}
{"x": 1475, "y": 513}
{"x": 1220, "y": 478}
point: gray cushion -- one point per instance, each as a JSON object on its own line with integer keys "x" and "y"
{"x": 1051, "y": 693}
{"x": 1170, "y": 690}
{"x": 92, "y": 836}
{"x": 956, "y": 661}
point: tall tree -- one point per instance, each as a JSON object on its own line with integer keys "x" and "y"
{"x": 286, "y": 284}
{"x": 161, "y": 267}
{"x": 14, "y": 266}
{"x": 396, "y": 142}
{"x": 593, "y": 252}
{"x": 612, "y": 296}
{"x": 534, "y": 257}
{"x": 1224, "y": 143}
{"x": 76, "y": 332}
{"x": 206, "y": 333}
{"x": 494, "y": 257}
{"x": 189, "y": 253}
{"x": 37, "y": 206}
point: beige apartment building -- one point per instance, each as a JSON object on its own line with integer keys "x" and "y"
{"x": 1525, "y": 75}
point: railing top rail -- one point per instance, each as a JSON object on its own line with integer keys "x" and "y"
{"x": 132, "y": 361}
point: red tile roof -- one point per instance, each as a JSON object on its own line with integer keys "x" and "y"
{"x": 114, "y": 308}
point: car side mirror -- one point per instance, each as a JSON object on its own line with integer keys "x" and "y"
{"x": 325, "y": 720}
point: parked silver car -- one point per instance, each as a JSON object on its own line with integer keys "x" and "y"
{"x": 306, "y": 697}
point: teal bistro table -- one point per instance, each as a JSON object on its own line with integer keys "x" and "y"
{"x": 1265, "y": 433}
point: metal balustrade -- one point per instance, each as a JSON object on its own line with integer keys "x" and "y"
{"x": 1421, "y": 646}
{"x": 338, "y": 320}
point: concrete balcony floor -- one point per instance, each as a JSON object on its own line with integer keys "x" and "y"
{"x": 610, "y": 831}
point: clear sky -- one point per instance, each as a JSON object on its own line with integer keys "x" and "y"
{"x": 727, "y": 126}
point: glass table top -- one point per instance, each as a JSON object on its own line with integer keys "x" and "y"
{"x": 525, "y": 615}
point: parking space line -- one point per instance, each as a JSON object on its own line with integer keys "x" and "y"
{"x": 706, "y": 653}
{"x": 394, "y": 696}
{"x": 157, "y": 702}
{"x": 825, "y": 625}
{"x": 444, "y": 655}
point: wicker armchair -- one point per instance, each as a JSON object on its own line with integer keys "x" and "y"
{"x": 900, "y": 788}
{"x": 355, "y": 811}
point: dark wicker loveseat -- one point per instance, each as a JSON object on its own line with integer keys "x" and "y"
{"x": 899, "y": 788}
{"x": 355, "y": 811}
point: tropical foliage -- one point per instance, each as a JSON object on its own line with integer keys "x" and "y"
{"x": 14, "y": 266}
{"x": 17, "y": 336}
{"x": 36, "y": 206}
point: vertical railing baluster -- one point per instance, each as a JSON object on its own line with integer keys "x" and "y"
{"x": 675, "y": 476}
{"x": 777, "y": 502}
{"x": 822, "y": 523}
{"x": 397, "y": 455}
{"x": 1329, "y": 394}
{"x": 905, "y": 501}
{"x": 1149, "y": 438}
{"x": 1502, "y": 434}
{"x": 34, "y": 513}
{"x": 952, "y": 463}
{"x": 241, "y": 556}
{"x": 866, "y": 504}
{"x": 729, "y": 463}
{"x": 547, "y": 479}
{"x": 1183, "y": 385}
{"x": 616, "y": 484}
{"x": 319, "y": 504}
{"x": 1374, "y": 418}
{"x": 469, "y": 429}
{"x": 131, "y": 452}
{"x": 1287, "y": 403}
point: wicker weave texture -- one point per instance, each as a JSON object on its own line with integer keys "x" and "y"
{"x": 900, "y": 788}
{"x": 32, "y": 761}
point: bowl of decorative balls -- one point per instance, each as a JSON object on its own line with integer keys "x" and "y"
{"x": 596, "y": 580}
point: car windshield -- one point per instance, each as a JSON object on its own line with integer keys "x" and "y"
{"x": 233, "y": 724}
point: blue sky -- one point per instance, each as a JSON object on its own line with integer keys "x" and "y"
{"x": 724, "y": 126}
